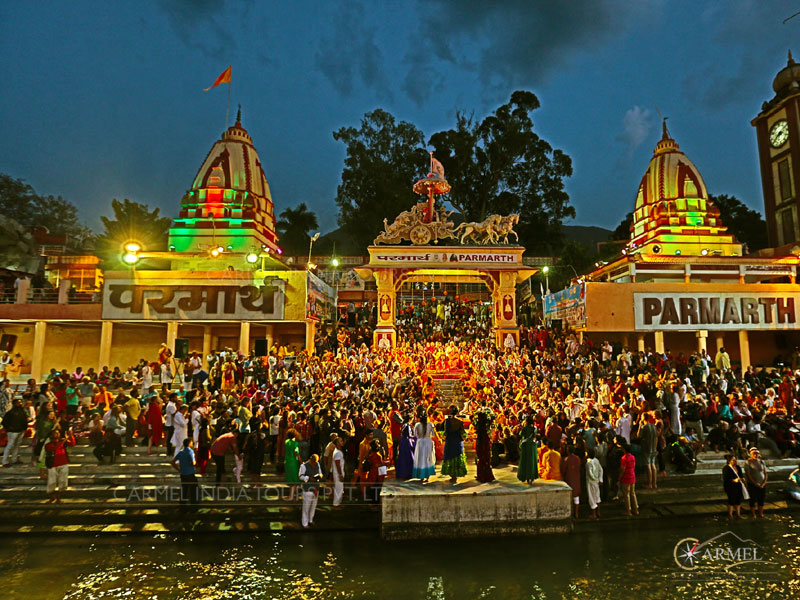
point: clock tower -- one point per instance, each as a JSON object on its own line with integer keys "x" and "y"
{"x": 778, "y": 133}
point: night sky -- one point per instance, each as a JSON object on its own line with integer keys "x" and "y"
{"x": 105, "y": 99}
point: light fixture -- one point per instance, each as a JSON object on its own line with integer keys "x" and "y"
{"x": 252, "y": 258}
{"x": 704, "y": 251}
{"x": 545, "y": 269}
{"x": 335, "y": 262}
{"x": 280, "y": 251}
{"x": 229, "y": 247}
{"x": 132, "y": 247}
{"x": 678, "y": 252}
{"x": 172, "y": 247}
{"x": 130, "y": 258}
{"x": 656, "y": 249}
{"x": 220, "y": 249}
{"x": 215, "y": 252}
{"x": 311, "y": 266}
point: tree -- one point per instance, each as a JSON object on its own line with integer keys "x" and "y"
{"x": 501, "y": 166}
{"x": 623, "y": 230}
{"x": 746, "y": 224}
{"x": 20, "y": 201}
{"x": 384, "y": 158}
{"x": 293, "y": 228}
{"x": 132, "y": 222}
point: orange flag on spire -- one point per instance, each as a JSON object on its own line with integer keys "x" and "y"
{"x": 224, "y": 78}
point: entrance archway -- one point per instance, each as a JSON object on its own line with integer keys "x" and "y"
{"x": 500, "y": 269}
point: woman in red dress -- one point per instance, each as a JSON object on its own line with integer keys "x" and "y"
{"x": 483, "y": 448}
{"x": 156, "y": 423}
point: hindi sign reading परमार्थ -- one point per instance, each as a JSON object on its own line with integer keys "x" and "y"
{"x": 211, "y": 300}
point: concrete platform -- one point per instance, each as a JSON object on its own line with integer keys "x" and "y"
{"x": 438, "y": 509}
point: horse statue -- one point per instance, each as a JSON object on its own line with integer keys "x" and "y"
{"x": 505, "y": 227}
{"x": 478, "y": 233}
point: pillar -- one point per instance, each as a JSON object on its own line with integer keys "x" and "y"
{"x": 206, "y": 345}
{"x": 702, "y": 340}
{"x": 580, "y": 337}
{"x": 505, "y": 309}
{"x": 172, "y": 335}
{"x": 270, "y": 336}
{"x": 106, "y": 334}
{"x": 659, "y": 342}
{"x": 23, "y": 287}
{"x": 385, "y": 332}
{"x": 244, "y": 337}
{"x": 311, "y": 329}
{"x": 720, "y": 339}
{"x": 37, "y": 361}
{"x": 63, "y": 291}
{"x": 626, "y": 341}
{"x": 744, "y": 349}
{"x": 640, "y": 342}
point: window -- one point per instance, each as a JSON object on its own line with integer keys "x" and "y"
{"x": 786, "y": 228}
{"x": 785, "y": 180}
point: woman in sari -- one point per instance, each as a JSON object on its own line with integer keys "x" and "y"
{"x": 156, "y": 422}
{"x": 483, "y": 448}
{"x": 454, "y": 460}
{"x": 528, "y": 450}
{"x": 291, "y": 463}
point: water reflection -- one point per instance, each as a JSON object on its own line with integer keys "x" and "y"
{"x": 627, "y": 562}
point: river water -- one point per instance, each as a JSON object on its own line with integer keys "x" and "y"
{"x": 628, "y": 560}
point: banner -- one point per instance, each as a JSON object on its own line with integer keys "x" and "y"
{"x": 569, "y": 305}
{"x": 320, "y": 299}
{"x": 717, "y": 311}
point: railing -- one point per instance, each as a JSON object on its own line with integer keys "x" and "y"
{"x": 43, "y": 296}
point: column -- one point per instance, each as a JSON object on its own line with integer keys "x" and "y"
{"x": 172, "y": 335}
{"x": 659, "y": 343}
{"x": 206, "y": 345}
{"x": 744, "y": 349}
{"x": 23, "y": 287}
{"x": 63, "y": 291}
{"x": 106, "y": 335}
{"x": 626, "y": 341}
{"x": 640, "y": 342}
{"x": 311, "y": 328}
{"x": 702, "y": 340}
{"x": 37, "y": 361}
{"x": 720, "y": 339}
{"x": 270, "y": 336}
{"x": 505, "y": 309}
{"x": 385, "y": 332}
{"x": 244, "y": 337}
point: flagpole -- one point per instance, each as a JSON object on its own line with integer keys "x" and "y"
{"x": 228, "y": 107}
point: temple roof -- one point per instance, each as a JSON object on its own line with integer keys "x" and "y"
{"x": 673, "y": 213}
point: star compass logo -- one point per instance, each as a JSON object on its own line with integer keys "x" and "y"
{"x": 724, "y": 554}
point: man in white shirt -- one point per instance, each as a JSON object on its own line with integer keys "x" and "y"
{"x": 338, "y": 472}
{"x": 169, "y": 427}
{"x": 196, "y": 365}
{"x": 310, "y": 475}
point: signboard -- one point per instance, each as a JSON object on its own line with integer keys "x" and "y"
{"x": 194, "y": 300}
{"x": 351, "y": 281}
{"x": 468, "y": 257}
{"x": 717, "y": 311}
{"x": 569, "y": 305}
{"x": 320, "y": 299}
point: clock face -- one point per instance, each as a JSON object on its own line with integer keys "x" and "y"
{"x": 779, "y": 134}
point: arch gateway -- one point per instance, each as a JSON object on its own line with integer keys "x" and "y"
{"x": 482, "y": 254}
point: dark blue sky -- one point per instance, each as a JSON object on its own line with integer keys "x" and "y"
{"x": 105, "y": 99}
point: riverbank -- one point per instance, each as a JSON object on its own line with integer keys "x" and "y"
{"x": 137, "y": 495}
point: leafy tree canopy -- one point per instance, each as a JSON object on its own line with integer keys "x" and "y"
{"x": 746, "y": 224}
{"x": 19, "y": 200}
{"x": 293, "y": 228}
{"x": 499, "y": 165}
{"x": 132, "y": 221}
{"x": 384, "y": 158}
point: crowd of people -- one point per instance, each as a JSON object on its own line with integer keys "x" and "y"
{"x": 598, "y": 417}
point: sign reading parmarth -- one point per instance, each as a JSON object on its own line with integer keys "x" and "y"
{"x": 715, "y": 311}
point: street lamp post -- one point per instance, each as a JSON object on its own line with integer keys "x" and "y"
{"x": 311, "y": 241}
